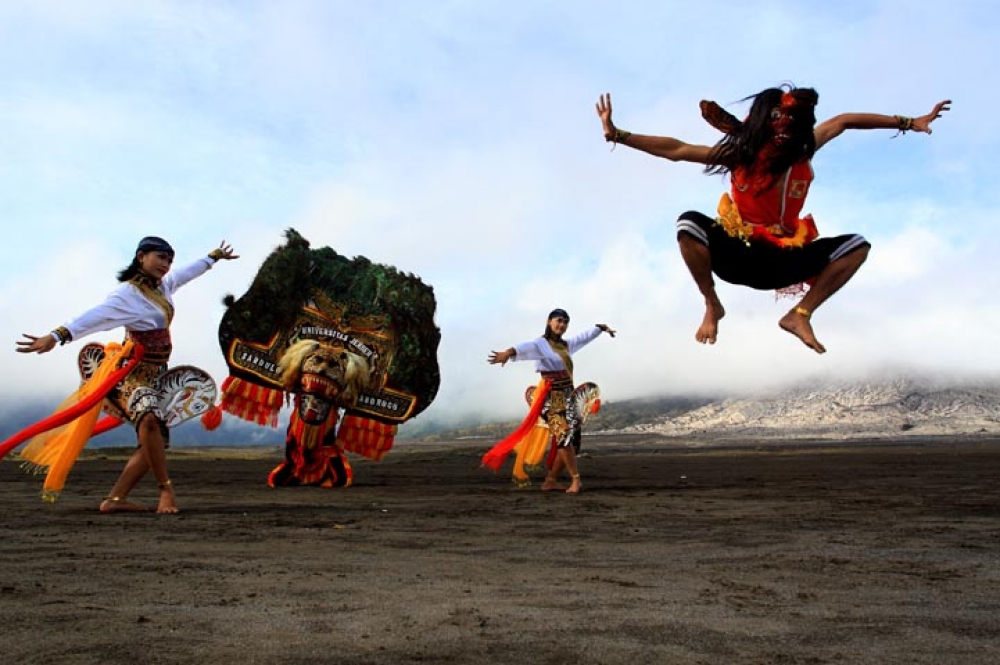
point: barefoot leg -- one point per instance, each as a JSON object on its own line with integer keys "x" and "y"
{"x": 796, "y": 321}
{"x": 168, "y": 501}
{"x": 708, "y": 331}
{"x": 153, "y": 445}
{"x": 134, "y": 470}
{"x": 827, "y": 283}
{"x": 551, "y": 482}
{"x": 569, "y": 459}
{"x": 699, "y": 262}
{"x": 116, "y": 504}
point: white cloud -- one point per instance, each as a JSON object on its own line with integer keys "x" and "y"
{"x": 462, "y": 145}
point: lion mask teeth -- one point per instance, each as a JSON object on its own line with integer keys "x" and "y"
{"x": 316, "y": 384}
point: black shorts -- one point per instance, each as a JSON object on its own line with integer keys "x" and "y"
{"x": 761, "y": 265}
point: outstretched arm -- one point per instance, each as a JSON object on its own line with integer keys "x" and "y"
{"x": 501, "y": 357}
{"x": 835, "y": 126}
{"x": 181, "y": 276}
{"x": 658, "y": 146}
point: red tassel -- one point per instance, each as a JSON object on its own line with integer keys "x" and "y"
{"x": 595, "y": 407}
{"x": 366, "y": 437}
{"x": 212, "y": 418}
{"x": 257, "y": 404}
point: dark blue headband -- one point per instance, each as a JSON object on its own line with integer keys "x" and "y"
{"x": 154, "y": 244}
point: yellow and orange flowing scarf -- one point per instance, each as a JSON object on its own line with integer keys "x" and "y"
{"x": 495, "y": 457}
{"x": 531, "y": 449}
{"x": 58, "y": 440}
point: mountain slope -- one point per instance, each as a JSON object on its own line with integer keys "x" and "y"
{"x": 858, "y": 410}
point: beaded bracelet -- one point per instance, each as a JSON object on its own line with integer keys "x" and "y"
{"x": 621, "y": 135}
{"x": 63, "y": 334}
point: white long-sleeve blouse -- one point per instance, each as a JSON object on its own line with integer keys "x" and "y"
{"x": 547, "y": 360}
{"x": 126, "y": 307}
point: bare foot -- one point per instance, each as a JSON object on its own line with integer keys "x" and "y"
{"x": 117, "y": 504}
{"x": 552, "y": 485}
{"x": 168, "y": 502}
{"x": 798, "y": 324}
{"x": 576, "y": 486}
{"x": 708, "y": 331}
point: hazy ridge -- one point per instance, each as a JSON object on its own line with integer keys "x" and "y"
{"x": 897, "y": 407}
{"x": 875, "y": 409}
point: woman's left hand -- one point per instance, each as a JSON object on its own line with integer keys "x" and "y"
{"x": 224, "y": 252}
{"x": 606, "y": 328}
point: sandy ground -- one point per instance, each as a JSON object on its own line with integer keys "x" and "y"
{"x": 869, "y": 553}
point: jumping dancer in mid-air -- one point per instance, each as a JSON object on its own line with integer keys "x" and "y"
{"x": 758, "y": 239}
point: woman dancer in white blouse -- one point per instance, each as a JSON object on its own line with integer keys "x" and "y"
{"x": 143, "y": 305}
{"x": 552, "y": 356}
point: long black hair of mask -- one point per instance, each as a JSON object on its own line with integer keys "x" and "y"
{"x": 743, "y": 147}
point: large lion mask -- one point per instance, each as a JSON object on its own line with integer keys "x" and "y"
{"x": 324, "y": 370}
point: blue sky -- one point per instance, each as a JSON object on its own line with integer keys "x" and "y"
{"x": 458, "y": 141}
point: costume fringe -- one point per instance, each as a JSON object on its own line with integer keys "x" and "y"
{"x": 366, "y": 437}
{"x": 307, "y": 434}
{"x": 310, "y": 458}
{"x": 794, "y": 291}
{"x": 252, "y": 402}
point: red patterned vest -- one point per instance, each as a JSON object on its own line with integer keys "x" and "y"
{"x": 780, "y": 205}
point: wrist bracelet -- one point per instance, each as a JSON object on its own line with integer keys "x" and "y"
{"x": 903, "y": 123}
{"x": 63, "y": 334}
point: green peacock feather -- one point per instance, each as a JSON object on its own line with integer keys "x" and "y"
{"x": 292, "y": 272}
